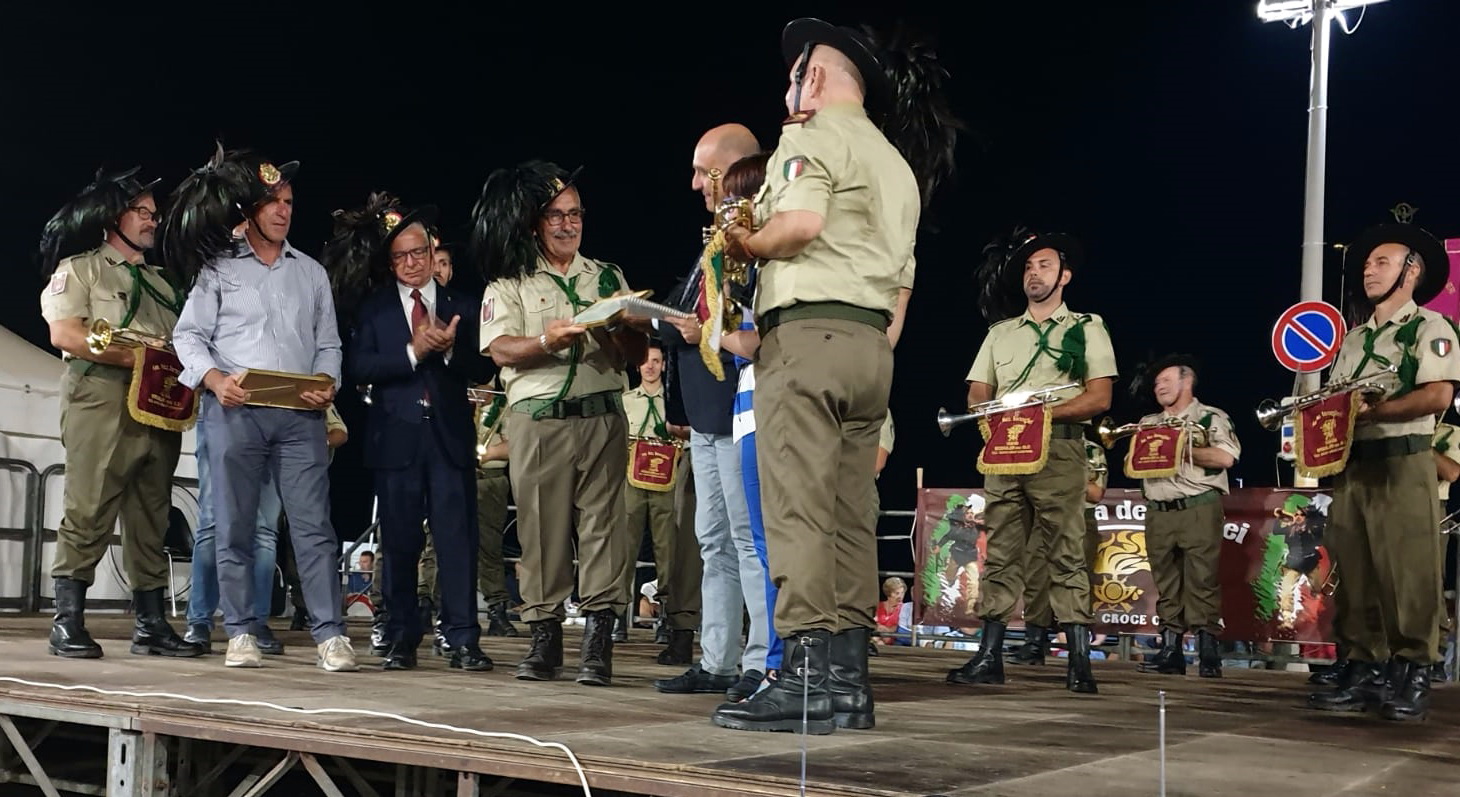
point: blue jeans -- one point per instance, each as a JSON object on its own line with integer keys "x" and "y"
{"x": 203, "y": 595}
{"x": 750, "y": 473}
{"x": 734, "y": 579}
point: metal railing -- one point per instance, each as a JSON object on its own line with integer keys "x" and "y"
{"x": 29, "y": 598}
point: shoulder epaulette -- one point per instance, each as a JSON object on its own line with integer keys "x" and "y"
{"x": 798, "y": 118}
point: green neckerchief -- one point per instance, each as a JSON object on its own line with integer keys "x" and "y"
{"x": 175, "y": 304}
{"x": 660, "y": 431}
{"x": 1407, "y": 336}
{"x": 493, "y": 410}
{"x": 1069, "y": 356}
{"x": 608, "y": 283}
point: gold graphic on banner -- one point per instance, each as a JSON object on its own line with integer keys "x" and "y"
{"x": 1122, "y": 554}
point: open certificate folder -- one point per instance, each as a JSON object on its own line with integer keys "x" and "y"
{"x": 280, "y": 389}
{"x": 607, "y": 311}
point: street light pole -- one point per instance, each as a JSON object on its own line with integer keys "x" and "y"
{"x": 1310, "y": 288}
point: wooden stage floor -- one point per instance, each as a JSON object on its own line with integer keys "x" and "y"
{"x": 1244, "y": 734}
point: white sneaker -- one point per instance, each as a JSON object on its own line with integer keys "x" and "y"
{"x": 336, "y": 655}
{"x": 243, "y": 651}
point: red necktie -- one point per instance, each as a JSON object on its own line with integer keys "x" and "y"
{"x": 418, "y": 320}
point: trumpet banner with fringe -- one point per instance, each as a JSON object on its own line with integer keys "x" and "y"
{"x": 155, "y": 397}
{"x": 1016, "y": 441}
{"x": 1323, "y": 435}
{"x": 1155, "y": 452}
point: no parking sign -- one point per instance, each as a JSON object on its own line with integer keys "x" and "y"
{"x": 1307, "y": 335}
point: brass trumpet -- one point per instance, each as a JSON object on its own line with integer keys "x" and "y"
{"x": 1270, "y": 413}
{"x": 481, "y": 395}
{"x": 1110, "y": 434}
{"x": 102, "y": 335}
{"x": 1010, "y": 401}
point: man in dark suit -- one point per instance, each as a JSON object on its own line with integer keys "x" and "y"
{"x": 419, "y": 438}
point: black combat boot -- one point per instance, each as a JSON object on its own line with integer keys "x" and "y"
{"x": 1078, "y": 677}
{"x": 69, "y": 638}
{"x": 544, "y": 660}
{"x": 1411, "y": 693}
{"x": 986, "y": 666}
{"x": 621, "y": 627}
{"x": 681, "y": 647}
{"x": 151, "y": 635}
{"x": 1361, "y": 686}
{"x": 851, "y": 692}
{"x": 1036, "y": 645}
{"x": 498, "y": 623}
{"x": 595, "y": 667}
{"x": 1171, "y": 659}
{"x": 799, "y": 687}
{"x": 1208, "y": 655}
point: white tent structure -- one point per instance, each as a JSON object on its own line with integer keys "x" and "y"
{"x": 31, "y": 481}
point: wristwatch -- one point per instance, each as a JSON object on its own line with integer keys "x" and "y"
{"x": 542, "y": 341}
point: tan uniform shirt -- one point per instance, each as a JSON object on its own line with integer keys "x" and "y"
{"x": 1447, "y": 443}
{"x": 1095, "y": 467}
{"x": 523, "y": 306}
{"x": 98, "y": 284}
{"x": 644, "y": 411}
{"x": 1434, "y": 348}
{"x": 840, "y": 166}
{"x": 1011, "y": 358}
{"x": 1192, "y": 479}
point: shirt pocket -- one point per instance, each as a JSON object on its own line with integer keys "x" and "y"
{"x": 111, "y": 306}
{"x": 537, "y": 311}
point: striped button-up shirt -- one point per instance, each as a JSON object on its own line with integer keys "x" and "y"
{"x": 243, "y": 313}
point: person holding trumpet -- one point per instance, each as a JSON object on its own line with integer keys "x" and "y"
{"x": 1181, "y": 455}
{"x": 109, "y": 311}
{"x": 1034, "y": 461}
{"x": 1382, "y": 524}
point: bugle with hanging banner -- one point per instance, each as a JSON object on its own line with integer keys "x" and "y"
{"x": 1016, "y": 429}
{"x": 654, "y": 462}
{"x": 1157, "y": 447}
{"x": 1323, "y": 426}
{"x": 156, "y": 396}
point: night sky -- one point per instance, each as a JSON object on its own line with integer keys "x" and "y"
{"x": 1169, "y": 136}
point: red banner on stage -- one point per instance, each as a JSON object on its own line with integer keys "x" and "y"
{"x": 1276, "y": 577}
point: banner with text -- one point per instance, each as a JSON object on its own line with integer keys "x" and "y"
{"x": 1276, "y": 577}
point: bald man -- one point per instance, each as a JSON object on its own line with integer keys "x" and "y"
{"x": 733, "y": 579}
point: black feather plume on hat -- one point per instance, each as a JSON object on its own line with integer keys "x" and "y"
{"x": 919, "y": 123}
{"x": 355, "y": 256}
{"x": 202, "y": 213}
{"x": 82, "y": 223}
{"x": 503, "y": 241}
{"x": 1000, "y": 289}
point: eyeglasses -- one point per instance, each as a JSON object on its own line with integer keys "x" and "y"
{"x": 143, "y": 213}
{"x": 555, "y": 218}
{"x": 419, "y": 253}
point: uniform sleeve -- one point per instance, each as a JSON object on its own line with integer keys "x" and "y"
{"x": 68, "y": 293}
{"x": 1099, "y": 353}
{"x": 886, "y": 436}
{"x": 333, "y": 422}
{"x": 1435, "y": 349}
{"x": 802, "y": 161}
{"x": 909, "y": 269}
{"x": 1223, "y": 436}
{"x": 501, "y": 312}
{"x": 983, "y": 363}
{"x": 1447, "y": 442}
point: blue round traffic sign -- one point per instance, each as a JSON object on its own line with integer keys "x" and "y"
{"x": 1307, "y": 335}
